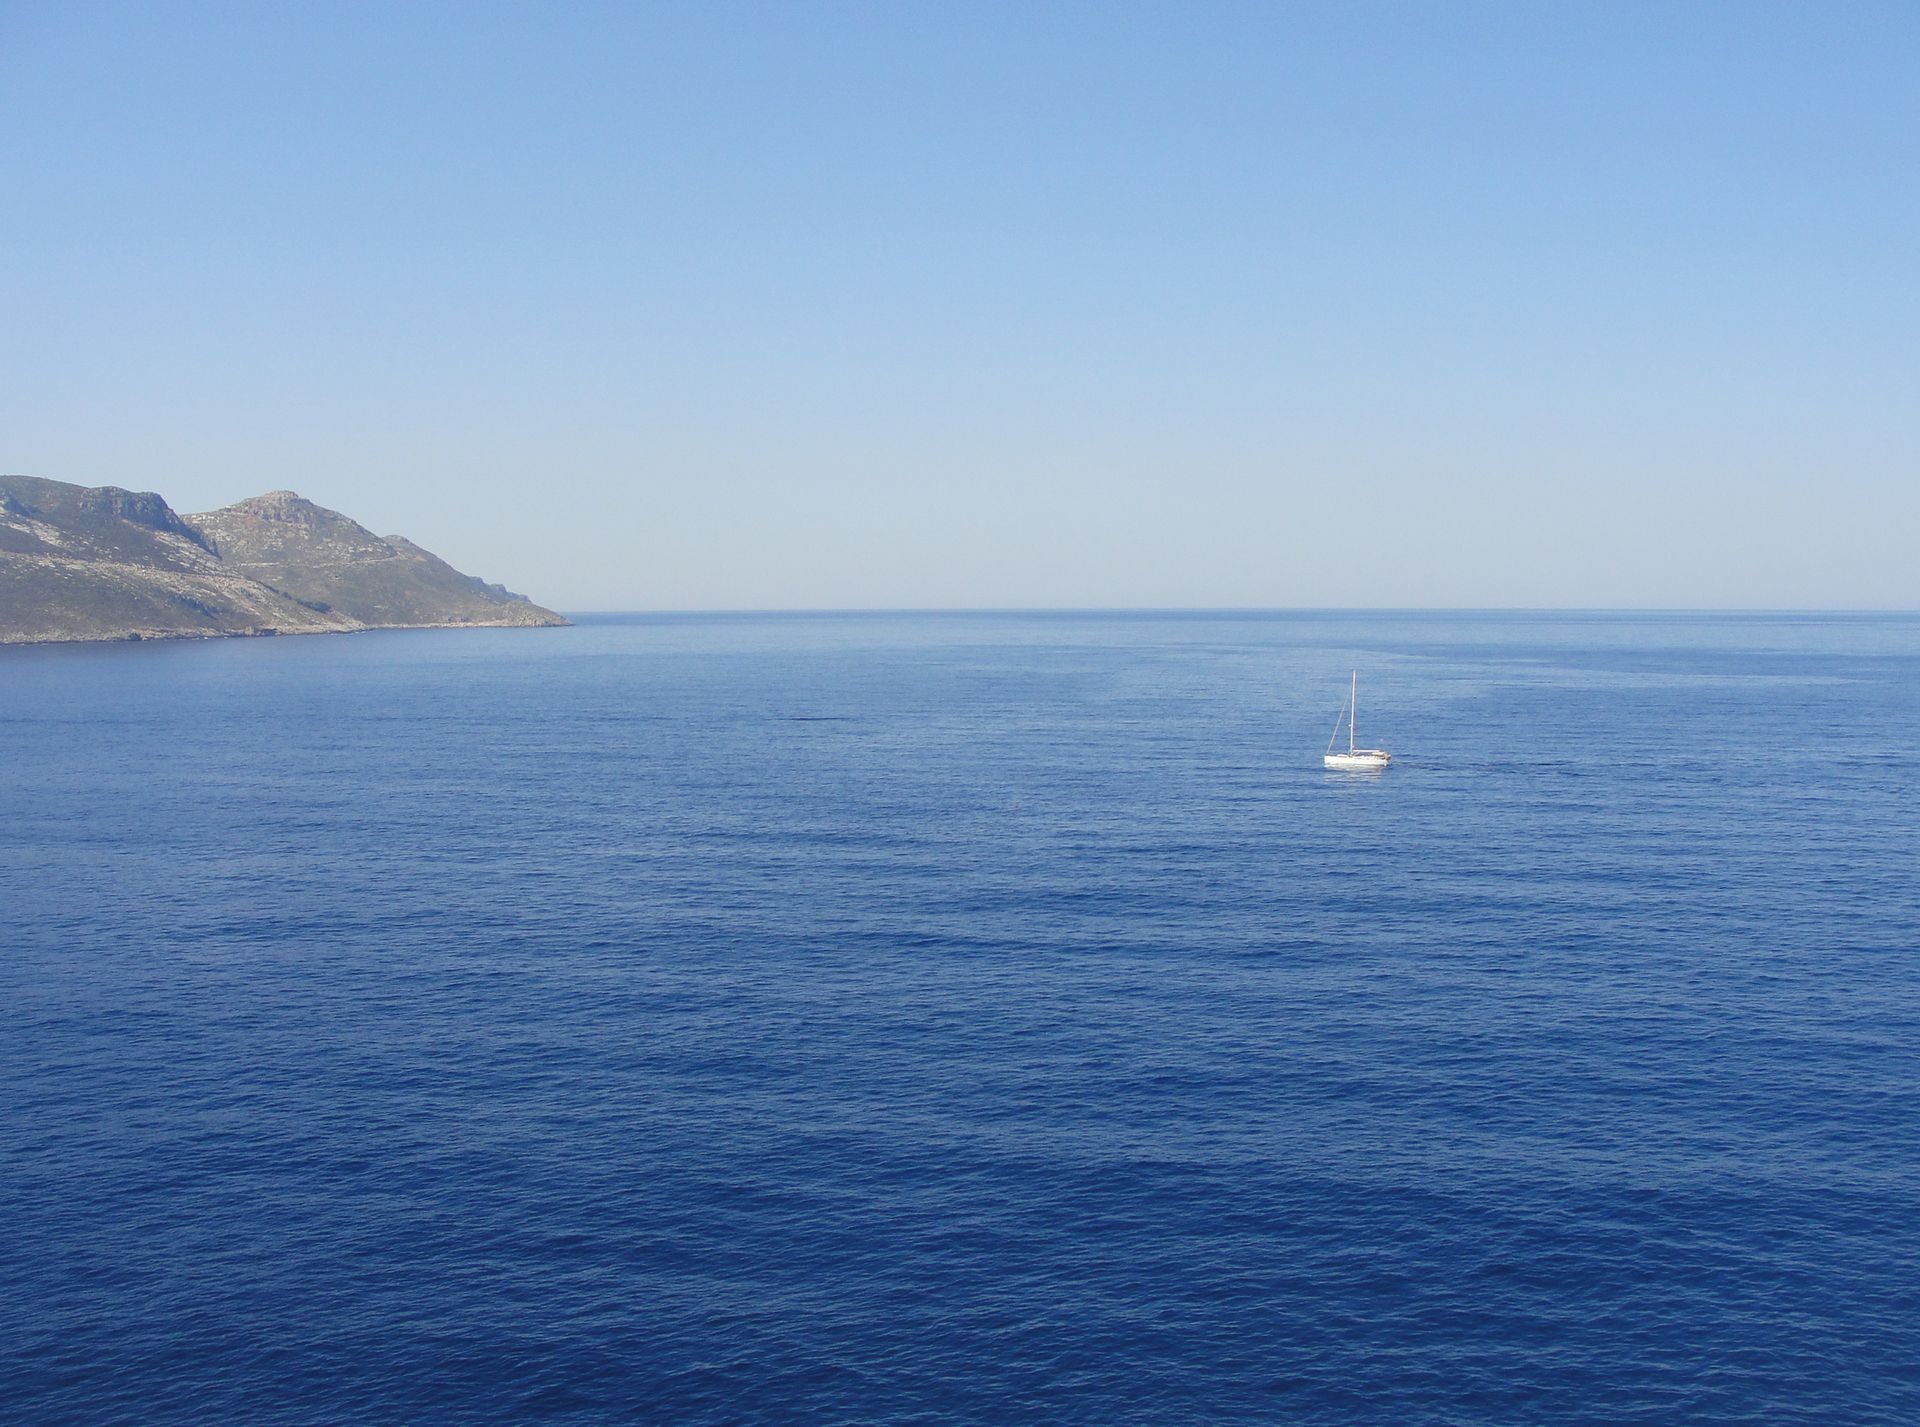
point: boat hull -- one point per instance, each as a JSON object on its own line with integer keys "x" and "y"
{"x": 1361, "y": 760}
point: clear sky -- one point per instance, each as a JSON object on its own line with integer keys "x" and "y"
{"x": 708, "y": 305}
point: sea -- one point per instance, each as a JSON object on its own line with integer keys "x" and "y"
{"x": 964, "y": 1019}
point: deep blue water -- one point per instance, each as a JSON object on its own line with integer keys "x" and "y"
{"x": 964, "y": 1019}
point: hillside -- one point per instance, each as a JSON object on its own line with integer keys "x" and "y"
{"x": 328, "y": 561}
{"x": 93, "y": 563}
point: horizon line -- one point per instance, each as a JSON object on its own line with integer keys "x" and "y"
{"x": 1863, "y": 610}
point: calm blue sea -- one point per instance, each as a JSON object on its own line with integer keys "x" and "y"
{"x": 965, "y": 1019}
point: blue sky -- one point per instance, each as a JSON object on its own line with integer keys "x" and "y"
{"x": 725, "y": 306}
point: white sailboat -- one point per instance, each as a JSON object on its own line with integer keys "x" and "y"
{"x": 1355, "y": 760}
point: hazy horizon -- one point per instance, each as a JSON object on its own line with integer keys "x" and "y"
{"x": 848, "y": 307}
{"x": 1437, "y": 611}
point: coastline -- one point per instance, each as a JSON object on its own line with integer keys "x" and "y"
{"x": 172, "y": 636}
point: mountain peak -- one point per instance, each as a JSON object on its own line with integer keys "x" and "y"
{"x": 331, "y": 562}
{"x": 284, "y": 506}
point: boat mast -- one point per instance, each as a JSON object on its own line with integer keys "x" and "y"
{"x": 1353, "y": 709}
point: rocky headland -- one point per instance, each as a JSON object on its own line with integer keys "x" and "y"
{"x": 93, "y": 563}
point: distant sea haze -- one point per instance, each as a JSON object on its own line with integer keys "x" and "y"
{"x": 966, "y": 1019}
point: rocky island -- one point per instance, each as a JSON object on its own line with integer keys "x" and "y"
{"x": 89, "y": 563}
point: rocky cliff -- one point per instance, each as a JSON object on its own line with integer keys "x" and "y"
{"x": 82, "y": 563}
